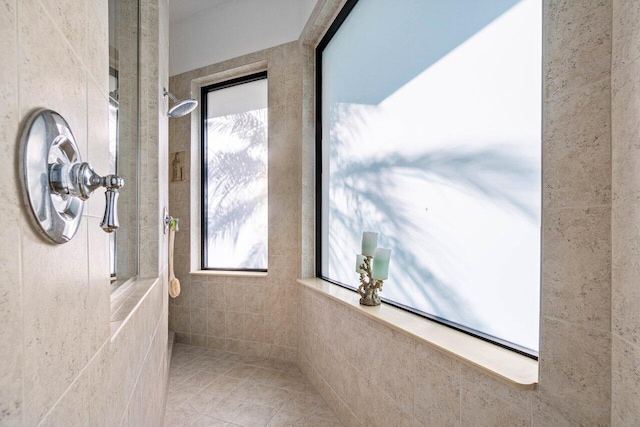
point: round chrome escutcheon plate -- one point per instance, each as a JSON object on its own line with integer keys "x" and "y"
{"x": 46, "y": 140}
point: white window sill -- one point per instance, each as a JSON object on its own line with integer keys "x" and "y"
{"x": 229, "y": 273}
{"x": 506, "y": 365}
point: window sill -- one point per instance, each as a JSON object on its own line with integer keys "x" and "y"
{"x": 229, "y": 273}
{"x": 503, "y": 364}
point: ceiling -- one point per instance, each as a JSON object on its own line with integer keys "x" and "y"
{"x": 180, "y": 9}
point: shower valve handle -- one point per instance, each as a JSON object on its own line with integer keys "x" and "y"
{"x": 80, "y": 180}
{"x": 110, "y": 221}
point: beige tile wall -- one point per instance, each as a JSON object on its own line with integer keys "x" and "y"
{"x": 372, "y": 375}
{"x": 419, "y": 386}
{"x": 60, "y": 364}
{"x": 11, "y": 351}
{"x": 251, "y": 315}
{"x": 626, "y": 214}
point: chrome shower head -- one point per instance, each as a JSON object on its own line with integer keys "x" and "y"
{"x": 182, "y": 108}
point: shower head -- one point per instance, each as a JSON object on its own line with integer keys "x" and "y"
{"x": 182, "y": 108}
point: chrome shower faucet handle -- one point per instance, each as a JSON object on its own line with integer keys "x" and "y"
{"x": 56, "y": 181}
{"x": 80, "y": 180}
{"x": 110, "y": 221}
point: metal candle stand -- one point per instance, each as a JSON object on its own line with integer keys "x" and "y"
{"x": 369, "y": 286}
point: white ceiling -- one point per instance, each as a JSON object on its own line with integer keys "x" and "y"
{"x": 180, "y": 9}
{"x": 205, "y": 32}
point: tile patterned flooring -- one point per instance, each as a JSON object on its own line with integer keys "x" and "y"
{"x": 217, "y": 388}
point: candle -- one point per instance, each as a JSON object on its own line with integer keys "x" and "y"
{"x": 380, "y": 270}
{"x": 359, "y": 262}
{"x": 369, "y": 243}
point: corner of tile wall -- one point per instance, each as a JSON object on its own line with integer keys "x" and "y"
{"x": 249, "y": 315}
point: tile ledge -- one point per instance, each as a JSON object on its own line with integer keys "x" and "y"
{"x": 140, "y": 289}
{"x": 229, "y": 273}
{"x": 505, "y": 365}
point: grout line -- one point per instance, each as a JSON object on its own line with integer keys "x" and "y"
{"x": 460, "y": 399}
{"x": 575, "y": 207}
{"x": 578, "y": 324}
{"x": 531, "y": 410}
{"x": 135, "y": 307}
{"x": 68, "y": 44}
{"x": 146, "y": 357}
{"x": 23, "y": 414}
{"x": 330, "y": 387}
{"x": 75, "y": 380}
{"x": 611, "y": 211}
{"x": 24, "y": 347}
{"x": 626, "y": 340}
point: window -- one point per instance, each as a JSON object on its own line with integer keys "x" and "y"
{"x": 429, "y": 132}
{"x": 234, "y": 175}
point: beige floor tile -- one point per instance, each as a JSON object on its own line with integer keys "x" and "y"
{"x": 200, "y": 401}
{"x": 223, "y": 385}
{"x": 182, "y": 359}
{"x": 220, "y": 366}
{"x": 246, "y": 391}
{"x": 255, "y": 361}
{"x": 226, "y": 409}
{"x": 301, "y": 403}
{"x": 177, "y": 417}
{"x": 272, "y": 396}
{"x": 280, "y": 365}
{"x": 241, "y": 371}
{"x": 200, "y": 379}
{"x": 262, "y": 394}
{"x": 324, "y": 411}
{"x": 217, "y": 388}
{"x": 254, "y": 415}
{"x": 201, "y": 362}
{"x": 287, "y": 419}
{"x": 293, "y": 381}
{"x": 179, "y": 375}
{"x": 234, "y": 357}
{"x": 264, "y": 375}
{"x": 314, "y": 421}
{"x": 214, "y": 352}
{"x": 205, "y": 421}
{"x": 180, "y": 393}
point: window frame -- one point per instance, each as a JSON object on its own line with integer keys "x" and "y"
{"x": 204, "y": 167}
{"x": 324, "y": 42}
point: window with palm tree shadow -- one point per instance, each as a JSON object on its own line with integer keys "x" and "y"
{"x": 429, "y": 132}
{"x": 234, "y": 175}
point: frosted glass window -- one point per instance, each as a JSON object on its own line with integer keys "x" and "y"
{"x": 235, "y": 175}
{"x": 430, "y": 134}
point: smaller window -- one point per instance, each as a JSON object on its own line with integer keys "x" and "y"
{"x": 234, "y": 175}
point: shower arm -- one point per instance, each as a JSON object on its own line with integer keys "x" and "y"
{"x": 170, "y": 95}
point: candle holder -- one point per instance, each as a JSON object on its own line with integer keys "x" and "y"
{"x": 369, "y": 286}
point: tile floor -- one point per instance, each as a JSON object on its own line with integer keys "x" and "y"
{"x": 218, "y": 388}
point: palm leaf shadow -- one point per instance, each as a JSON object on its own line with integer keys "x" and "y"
{"x": 370, "y": 189}
{"x": 234, "y": 173}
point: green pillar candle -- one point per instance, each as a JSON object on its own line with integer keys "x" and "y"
{"x": 369, "y": 243}
{"x": 380, "y": 270}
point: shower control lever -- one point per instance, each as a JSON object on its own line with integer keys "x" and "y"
{"x": 110, "y": 221}
{"x": 80, "y": 180}
{"x": 56, "y": 182}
